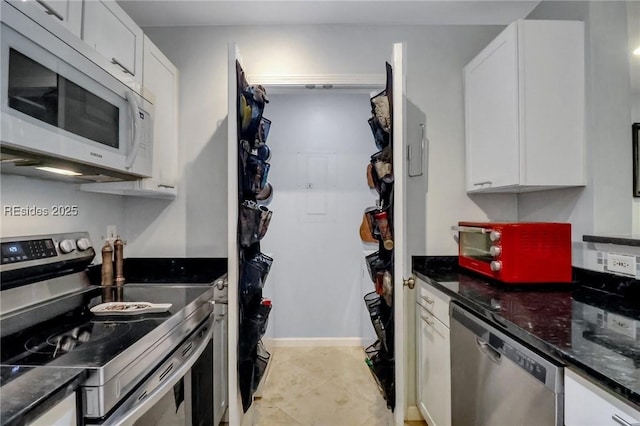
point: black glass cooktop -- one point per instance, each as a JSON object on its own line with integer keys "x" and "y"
{"x": 82, "y": 339}
{"x": 77, "y": 339}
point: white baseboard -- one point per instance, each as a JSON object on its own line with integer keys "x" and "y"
{"x": 312, "y": 341}
{"x": 413, "y": 414}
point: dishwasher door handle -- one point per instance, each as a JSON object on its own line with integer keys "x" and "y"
{"x": 487, "y": 350}
{"x": 622, "y": 421}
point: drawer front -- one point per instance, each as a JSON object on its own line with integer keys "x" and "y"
{"x": 588, "y": 405}
{"x": 432, "y": 321}
{"x": 434, "y": 301}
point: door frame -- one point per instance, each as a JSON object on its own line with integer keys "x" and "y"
{"x": 293, "y": 83}
{"x": 401, "y": 258}
{"x": 285, "y": 84}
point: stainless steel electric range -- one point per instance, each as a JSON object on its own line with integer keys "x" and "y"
{"x": 140, "y": 369}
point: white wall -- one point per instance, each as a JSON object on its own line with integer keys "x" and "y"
{"x": 633, "y": 29}
{"x": 315, "y": 278}
{"x": 436, "y": 55}
{"x": 95, "y": 211}
{"x": 604, "y": 206}
{"x": 155, "y": 228}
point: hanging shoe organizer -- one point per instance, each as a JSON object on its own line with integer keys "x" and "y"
{"x": 378, "y": 226}
{"x": 254, "y": 193}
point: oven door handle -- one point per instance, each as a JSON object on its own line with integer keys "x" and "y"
{"x": 139, "y": 403}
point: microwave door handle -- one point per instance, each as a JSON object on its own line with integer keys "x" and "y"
{"x": 140, "y": 407}
{"x": 135, "y": 133}
{"x": 470, "y": 229}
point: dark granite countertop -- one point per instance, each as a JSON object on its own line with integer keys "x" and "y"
{"x": 621, "y": 240}
{"x": 28, "y": 392}
{"x": 578, "y": 325}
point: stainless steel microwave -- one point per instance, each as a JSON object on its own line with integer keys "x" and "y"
{"x": 57, "y": 105}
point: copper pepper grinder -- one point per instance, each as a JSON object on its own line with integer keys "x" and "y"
{"x": 107, "y": 272}
{"x": 118, "y": 247}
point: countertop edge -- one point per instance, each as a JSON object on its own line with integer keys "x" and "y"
{"x": 616, "y": 389}
{"x": 34, "y": 408}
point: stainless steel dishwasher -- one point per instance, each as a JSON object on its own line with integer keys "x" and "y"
{"x": 496, "y": 381}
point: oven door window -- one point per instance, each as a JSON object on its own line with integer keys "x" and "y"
{"x": 190, "y": 401}
{"x": 476, "y": 245}
{"x": 47, "y": 96}
{"x": 169, "y": 411}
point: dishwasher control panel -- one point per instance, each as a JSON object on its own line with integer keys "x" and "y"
{"x": 526, "y": 362}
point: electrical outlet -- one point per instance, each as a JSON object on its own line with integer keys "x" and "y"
{"x": 621, "y": 263}
{"x": 622, "y": 325}
{"x": 112, "y": 233}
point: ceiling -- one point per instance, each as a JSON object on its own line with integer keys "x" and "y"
{"x": 148, "y": 13}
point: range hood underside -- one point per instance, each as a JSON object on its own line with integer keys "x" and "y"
{"x": 16, "y": 162}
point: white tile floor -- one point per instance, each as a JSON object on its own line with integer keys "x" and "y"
{"x": 323, "y": 386}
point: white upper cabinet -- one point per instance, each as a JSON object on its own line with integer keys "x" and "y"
{"x": 116, "y": 38}
{"x": 99, "y": 29}
{"x": 160, "y": 79}
{"x": 524, "y": 109}
{"x": 56, "y": 16}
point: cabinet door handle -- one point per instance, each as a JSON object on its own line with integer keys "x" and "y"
{"x": 486, "y": 182}
{"x": 426, "y": 319}
{"x": 50, "y": 10}
{"x": 428, "y": 300}
{"x": 118, "y": 63}
{"x": 616, "y": 418}
{"x": 166, "y": 186}
{"x": 410, "y": 152}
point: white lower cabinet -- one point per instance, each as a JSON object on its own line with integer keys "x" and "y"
{"x": 433, "y": 356}
{"x": 62, "y": 414}
{"x": 586, "y": 404}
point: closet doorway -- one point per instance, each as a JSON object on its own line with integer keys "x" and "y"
{"x": 321, "y": 143}
{"x": 318, "y": 169}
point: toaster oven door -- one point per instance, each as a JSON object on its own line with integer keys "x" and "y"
{"x": 479, "y": 250}
{"x": 475, "y": 243}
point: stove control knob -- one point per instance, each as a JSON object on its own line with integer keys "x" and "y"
{"x": 67, "y": 246}
{"x": 495, "y": 251}
{"x": 83, "y": 244}
{"x": 495, "y": 235}
{"x": 496, "y": 265}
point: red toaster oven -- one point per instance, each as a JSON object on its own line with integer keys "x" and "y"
{"x": 518, "y": 252}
